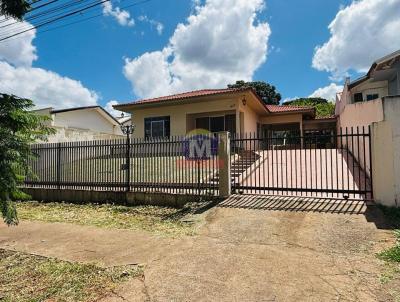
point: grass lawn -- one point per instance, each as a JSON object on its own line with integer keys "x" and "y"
{"x": 26, "y": 277}
{"x": 159, "y": 220}
{"x": 391, "y": 277}
{"x": 393, "y": 216}
{"x": 167, "y": 169}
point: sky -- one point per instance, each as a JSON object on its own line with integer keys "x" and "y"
{"x": 160, "y": 47}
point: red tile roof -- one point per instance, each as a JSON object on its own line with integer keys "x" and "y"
{"x": 286, "y": 108}
{"x": 185, "y": 95}
{"x": 208, "y": 92}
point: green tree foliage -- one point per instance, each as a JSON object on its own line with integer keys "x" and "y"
{"x": 265, "y": 91}
{"x": 323, "y": 107}
{"x": 18, "y": 129}
{"x": 14, "y": 8}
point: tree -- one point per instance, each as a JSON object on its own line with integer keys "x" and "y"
{"x": 14, "y": 8}
{"x": 18, "y": 129}
{"x": 323, "y": 108}
{"x": 265, "y": 91}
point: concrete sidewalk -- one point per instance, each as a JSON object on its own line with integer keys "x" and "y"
{"x": 238, "y": 255}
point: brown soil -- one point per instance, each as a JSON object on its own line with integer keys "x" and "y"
{"x": 238, "y": 255}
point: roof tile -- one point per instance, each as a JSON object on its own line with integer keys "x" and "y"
{"x": 286, "y": 108}
{"x": 206, "y": 92}
{"x": 186, "y": 95}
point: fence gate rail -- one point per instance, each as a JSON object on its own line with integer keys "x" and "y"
{"x": 330, "y": 164}
{"x": 136, "y": 165}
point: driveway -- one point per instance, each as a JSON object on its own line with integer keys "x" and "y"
{"x": 246, "y": 249}
{"x": 323, "y": 169}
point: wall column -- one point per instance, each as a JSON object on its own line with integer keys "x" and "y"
{"x": 382, "y": 156}
{"x": 224, "y": 164}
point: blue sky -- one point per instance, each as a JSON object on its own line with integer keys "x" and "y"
{"x": 105, "y": 60}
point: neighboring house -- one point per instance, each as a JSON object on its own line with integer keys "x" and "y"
{"x": 124, "y": 120}
{"x": 81, "y": 124}
{"x": 360, "y": 102}
{"x": 233, "y": 110}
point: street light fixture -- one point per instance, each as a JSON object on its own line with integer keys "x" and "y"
{"x": 127, "y": 130}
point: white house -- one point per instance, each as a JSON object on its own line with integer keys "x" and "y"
{"x": 81, "y": 124}
{"x": 382, "y": 80}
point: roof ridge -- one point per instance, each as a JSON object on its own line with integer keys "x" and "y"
{"x": 184, "y": 95}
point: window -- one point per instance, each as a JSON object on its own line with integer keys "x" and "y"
{"x": 157, "y": 126}
{"x": 217, "y": 123}
{"x": 358, "y": 97}
{"x": 373, "y": 96}
{"x": 203, "y": 123}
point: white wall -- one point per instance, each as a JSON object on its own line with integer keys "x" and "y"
{"x": 89, "y": 119}
{"x": 386, "y": 154}
{"x": 74, "y": 135}
{"x": 368, "y": 87}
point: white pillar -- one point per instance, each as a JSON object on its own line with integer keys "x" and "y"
{"x": 383, "y": 164}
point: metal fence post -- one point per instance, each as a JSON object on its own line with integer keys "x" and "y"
{"x": 128, "y": 164}
{"x": 58, "y": 165}
{"x": 224, "y": 164}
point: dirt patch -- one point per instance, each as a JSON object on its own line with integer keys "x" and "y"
{"x": 158, "y": 220}
{"x": 26, "y": 277}
{"x": 236, "y": 255}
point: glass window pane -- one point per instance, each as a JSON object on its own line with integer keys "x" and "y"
{"x": 230, "y": 123}
{"x": 203, "y": 123}
{"x": 157, "y": 128}
{"x": 217, "y": 123}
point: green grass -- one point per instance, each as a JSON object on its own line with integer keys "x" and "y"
{"x": 393, "y": 216}
{"x": 143, "y": 169}
{"x": 32, "y": 278}
{"x": 159, "y": 220}
{"x": 392, "y": 254}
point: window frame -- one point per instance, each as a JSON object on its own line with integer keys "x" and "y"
{"x": 166, "y": 126}
{"x": 215, "y": 116}
{"x": 372, "y": 96}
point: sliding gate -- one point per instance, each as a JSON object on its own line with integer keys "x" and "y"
{"x": 319, "y": 164}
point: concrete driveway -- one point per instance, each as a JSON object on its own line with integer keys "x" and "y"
{"x": 284, "y": 252}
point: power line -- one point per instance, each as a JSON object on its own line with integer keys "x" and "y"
{"x": 47, "y": 12}
{"x": 8, "y": 38}
{"x": 92, "y": 17}
{"x": 33, "y": 8}
{"x": 55, "y": 19}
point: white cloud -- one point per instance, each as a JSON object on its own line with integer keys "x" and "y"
{"x": 209, "y": 50}
{"x": 123, "y": 17}
{"x": 154, "y": 23}
{"x": 288, "y": 99}
{"x": 360, "y": 33}
{"x": 17, "y": 51}
{"x": 328, "y": 92}
{"x": 45, "y": 88}
{"x": 111, "y": 110}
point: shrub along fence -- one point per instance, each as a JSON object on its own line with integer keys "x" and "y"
{"x": 135, "y": 165}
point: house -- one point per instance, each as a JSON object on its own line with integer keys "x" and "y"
{"x": 234, "y": 110}
{"x": 124, "y": 120}
{"x": 360, "y": 102}
{"x": 81, "y": 124}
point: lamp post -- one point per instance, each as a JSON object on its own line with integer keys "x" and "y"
{"x": 128, "y": 130}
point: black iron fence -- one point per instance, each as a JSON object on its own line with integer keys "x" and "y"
{"x": 323, "y": 164}
{"x": 140, "y": 165}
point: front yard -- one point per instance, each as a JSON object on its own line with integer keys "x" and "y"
{"x": 102, "y": 252}
{"x": 160, "y": 220}
{"x": 26, "y": 277}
